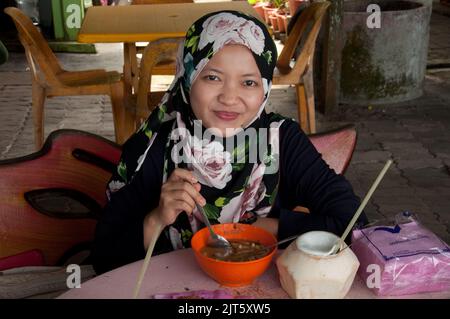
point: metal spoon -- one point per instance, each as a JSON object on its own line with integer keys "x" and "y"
{"x": 215, "y": 240}
{"x": 281, "y": 241}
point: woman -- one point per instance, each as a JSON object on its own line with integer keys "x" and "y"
{"x": 211, "y": 143}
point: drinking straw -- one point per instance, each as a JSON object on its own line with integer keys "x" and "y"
{"x": 144, "y": 267}
{"x": 366, "y": 199}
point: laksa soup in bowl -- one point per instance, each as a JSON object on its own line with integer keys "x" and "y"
{"x": 248, "y": 259}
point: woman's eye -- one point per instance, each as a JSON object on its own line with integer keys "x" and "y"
{"x": 250, "y": 83}
{"x": 212, "y": 77}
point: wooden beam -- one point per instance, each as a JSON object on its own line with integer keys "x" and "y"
{"x": 332, "y": 58}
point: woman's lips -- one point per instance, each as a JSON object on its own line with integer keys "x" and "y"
{"x": 226, "y": 116}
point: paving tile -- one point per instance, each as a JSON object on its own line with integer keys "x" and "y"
{"x": 371, "y": 156}
{"x": 419, "y": 163}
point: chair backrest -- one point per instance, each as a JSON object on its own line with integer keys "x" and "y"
{"x": 36, "y": 48}
{"x": 155, "y": 52}
{"x": 312, "y": 16}
{"x": 336, "y": 146}
{"x": 51, "y": 199}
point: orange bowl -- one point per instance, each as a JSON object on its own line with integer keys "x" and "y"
{"x": 230, "y": 273}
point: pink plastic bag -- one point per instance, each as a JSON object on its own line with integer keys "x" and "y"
{"x": 406, "y": 257}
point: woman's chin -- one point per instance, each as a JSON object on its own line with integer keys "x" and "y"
{"x": 224, "y": 130}
{"x": 230, "y": 131}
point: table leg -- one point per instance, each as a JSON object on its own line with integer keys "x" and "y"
{"x": 130, "y": 104}
{"x": 127, "y": 71}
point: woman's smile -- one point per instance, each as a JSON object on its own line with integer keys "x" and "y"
{"x": 226, "y": 116}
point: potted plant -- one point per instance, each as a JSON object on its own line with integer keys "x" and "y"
{"x": 274, "y": 22}
{"x": 258, "y": 5}
{"x": 268, "y": 10}
{"x": 281, "y": 14}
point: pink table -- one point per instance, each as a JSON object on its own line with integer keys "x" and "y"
{"x": 178, "y": 271}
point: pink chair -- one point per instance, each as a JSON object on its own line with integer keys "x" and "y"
{"x": 32, "y": 257}
{"x": 49, "y": 203}
{"x": 51, "y": 199}
{"x": 336, "y": 147}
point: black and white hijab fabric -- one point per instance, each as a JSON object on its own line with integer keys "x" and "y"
{"x": 233, "y": 181}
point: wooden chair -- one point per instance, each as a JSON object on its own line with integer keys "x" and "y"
{"x": 144, "y": 100}
{"x": 163, "y": 67}
{"x": 50, "y": 79}
{"x": 301, "y": 73}
{"x": 337, "y": 147}
{"x": 50, "y": 200}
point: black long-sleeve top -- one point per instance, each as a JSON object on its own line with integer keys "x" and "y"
{"x": 305, "y": 180}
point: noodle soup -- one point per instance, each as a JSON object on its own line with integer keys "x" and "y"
{"x": 234, "y": 272}
{"x": 242, "y": 250}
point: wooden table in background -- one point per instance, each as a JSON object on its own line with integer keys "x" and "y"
{"x": 146, "y": 23}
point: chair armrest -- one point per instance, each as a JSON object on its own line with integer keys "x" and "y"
{"x": 75, "y": 78}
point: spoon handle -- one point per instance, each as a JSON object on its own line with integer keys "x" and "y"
{"x": 200, "y": 208}
{"x": 283, "y": 241}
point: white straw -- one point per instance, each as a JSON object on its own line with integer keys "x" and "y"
{"x": 144, "y": 267}
{"x": 366, "y": 199}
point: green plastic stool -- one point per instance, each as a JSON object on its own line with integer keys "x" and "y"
{"x": 67, "y": 18}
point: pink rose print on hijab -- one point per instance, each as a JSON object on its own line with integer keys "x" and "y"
{"x": 226, "y": 28}
{"x": 216, "y": 26}
{"x": 253, "y": 36}
{"x": 211, "y": 165}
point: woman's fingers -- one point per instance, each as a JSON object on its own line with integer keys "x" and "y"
{"x": 192, "y": 190}
{"x": 181, "y": 195}
{"x": 180, "y": 174}
{"x": 180, "y": 206}
{"x": 171, "y": 209}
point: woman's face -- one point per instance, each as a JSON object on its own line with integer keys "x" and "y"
{"x": 228, "y": 92}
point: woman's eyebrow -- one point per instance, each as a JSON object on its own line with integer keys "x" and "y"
{"x": 250, "y": 74}
{"x": 209, "y": 69}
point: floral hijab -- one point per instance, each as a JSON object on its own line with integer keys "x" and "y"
{"x": 234, "y": 181}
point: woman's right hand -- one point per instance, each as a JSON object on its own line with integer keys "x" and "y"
{"x": 179, "y": 193}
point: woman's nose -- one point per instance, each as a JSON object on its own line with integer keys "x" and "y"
{"x": 228, "y": 94}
